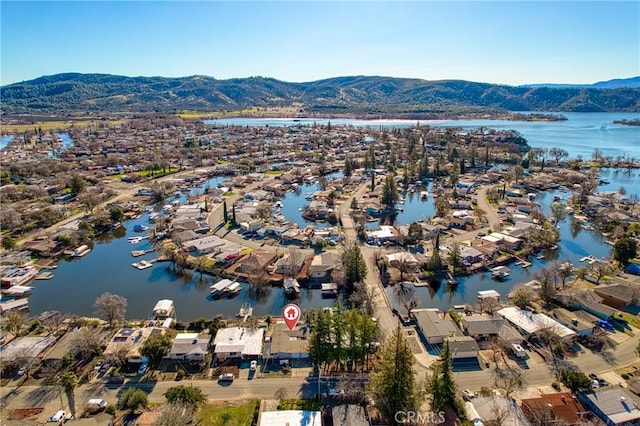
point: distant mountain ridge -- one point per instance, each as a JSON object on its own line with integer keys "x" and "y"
{"x": 74, "y": 92}
{"x": 617, "y": 83}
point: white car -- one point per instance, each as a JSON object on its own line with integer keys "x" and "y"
{"x": 58, "y": 416}
{"x": 254, "y": 365}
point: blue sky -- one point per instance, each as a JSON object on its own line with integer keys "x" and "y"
{"x": 508, "y": 42}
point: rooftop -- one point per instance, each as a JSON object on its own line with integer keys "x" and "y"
{"x": 616, "y": 403}
{"x": 531, "y": 323}
{"x": 433, "y": 324}
{"x": 239, "y": 340}
{"x": 290, "y": 418}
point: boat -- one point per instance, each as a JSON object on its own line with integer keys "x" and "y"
{"x": 291, "y": 287}
{"x": 140, "y": 228}
{"x": 233, "y": 289}
{"x": 424, "y": 195}
{"x": 219, "y": 288}
{"x": 18, "y": 291}
{"x": 164, "y": 309}
{"x": 329, "y": 290}
{"x": 167, "y": 208}
{"x": 246, "y": 310}
{"x": 18, "y": 276}
{"x": 143, "y": 264}
{"x": 135, "y": 240}
{"x": 81, "y": 251}
{"x": 136, "y": 253}
{"x": 500, "y": 272}
{"x": 153, "y": 216}
{"x": 540, "y": 256}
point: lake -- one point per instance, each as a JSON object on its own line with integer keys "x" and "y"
{"x": 580, "y": 134}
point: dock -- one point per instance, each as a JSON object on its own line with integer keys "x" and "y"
{"x": 522, "y": 263}
{"x": 143, "y": 264}
{"x": 245, "y": 312}
{"x": 591, "y": 259}
{"x": 44, "y": 276}
{"x": 136, "y": 253}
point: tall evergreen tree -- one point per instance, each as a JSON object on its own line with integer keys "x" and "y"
{"x": 435, "y": 263}
{"x": 225, "y": 213}
{"x": 442, "y": 385}
{"x": 389, "y": 192}
{"x": 354, "y": 265}
{"x": 233, "y": 215}
{"x": 348, "y": 167}
{"x": 393, "y": 385}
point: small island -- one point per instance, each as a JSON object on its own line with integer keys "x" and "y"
{"x": 634, "y": 122}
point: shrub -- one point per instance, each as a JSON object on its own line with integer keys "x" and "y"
{"x": 111, "y": 409}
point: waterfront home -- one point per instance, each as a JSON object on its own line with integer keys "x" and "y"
{"x": 462, "y": 347}
{"x": 255, "y": 263}
{"x": 16, "y": 258}
{"x": 613, "y": 405}
{"x": 323, "y": 264}
{"x": 470, "y": 255}
{"x": 579, "y": 321}
{"x": 189, "y": 347}
{"x": 286, "y": 345}
{"x": 561, "y": 407}
{"x": 382, "y": 235}
{"x": 349, "y": 415}
{"x": 435, "y": 326}
{"x": 529, "y": 323}
{"x": 238, "y": 342}
{"x": 25, "y": 348}
{"x": 503, "y": 240}
{"x": 204, "y": 245}
{"x": 181, "y": 236}
{"x": 620, "y": 296}
{"x": 482, "y": 326}
{"x": 288, "y": 265}
{"x": 495, "y": 409}
{"x": 130, "y": 340}
{"x": 402, "y": 258}
{"x": 589, "y": 302}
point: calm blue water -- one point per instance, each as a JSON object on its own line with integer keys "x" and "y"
{"x": 575, "y": 243}
{"x": 579, "y": 135}
{"x": 294, "y": 202}
{"x": 5, "y": 140}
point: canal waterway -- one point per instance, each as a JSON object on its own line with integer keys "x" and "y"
{"x": 580, "y": 134}
{"x": 78, "y": 282}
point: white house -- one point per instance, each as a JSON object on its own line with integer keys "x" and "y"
{"x": 238, "y": 342}
{"x": 189, "y": 347}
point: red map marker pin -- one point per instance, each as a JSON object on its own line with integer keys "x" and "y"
{"x": 291, "y": 314}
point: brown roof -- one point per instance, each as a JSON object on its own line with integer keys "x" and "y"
{"x": 563, "y": 406}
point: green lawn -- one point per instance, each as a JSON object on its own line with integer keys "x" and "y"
{"x": 299, "y": 404}
{"x": 213, "y": 415}
{"x": 157, "y": 173}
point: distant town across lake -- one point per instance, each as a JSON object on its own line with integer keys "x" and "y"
{"x": 580, "y": 134}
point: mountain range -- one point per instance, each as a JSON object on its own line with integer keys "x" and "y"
{"x": 79, "y": 93}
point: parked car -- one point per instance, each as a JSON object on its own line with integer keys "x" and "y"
{"x": 226, "y": 377}
{"x": 143, "y": 368}
{"x": 595, "y": 384}
{"x": 114, "y": 379}
{"x": 468, "y": 394}
{"x": 58, "y": 416}
{"x": 254, "y": 365}
{"x": 593, "y": 376}
{"x": 335, "y": 392}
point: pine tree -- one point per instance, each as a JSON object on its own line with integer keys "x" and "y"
{"x": 373, "y": 181}
{"x": 389, "y": 192}
{"x": 233, "y": 215}
{"x": 225, "y": 214}
{"x": 354, "y": 265}
{"x": 442, "y": 385}
{"x": 435, "y": 264}
{"x": 393, "y": 384}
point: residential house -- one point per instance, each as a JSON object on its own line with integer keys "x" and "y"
{"x": 25, "y": 348}
{"x": 189, "y": 347}
{"x": 256, "y": 262}
{"x": 349, "y": 415}
{"x": 126, "y": 343}
{"x": 238, "y": 342}
{"x": 482, "y": 326}
{"x": 561, "y": 407}
{"x": 289, "y": 265}
{"x": 620, "y": 296}
{"x": 614, "y": 405}
{"x": 290, "y": 418}
{"x": 529, "y": 323}
{"x": 589, "y": 302}
{"x": 434, "y": 325}
{"x": 204, "y": 245}
{"x": 284, "y": 344}
{"x": 462, "y": 347}
{"x": 323, "y": 264}
{"x": 495, "y": 410}
{"x": 402, "y": 258}
{"x": 470, "y": 255}
{"x": 579, "y": 321}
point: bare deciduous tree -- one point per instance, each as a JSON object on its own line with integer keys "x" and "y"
{"x": 111, "y": 306}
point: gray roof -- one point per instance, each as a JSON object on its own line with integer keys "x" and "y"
{"x": 288, "y": 341}
{"x": 189, "y": 344}
{"x": 349, "y": 415}
{"x": 482, "y": 324}
{"x": 499, "y": 409}
{"x": 432, "y": 324}
{"x": 27, "y": 347}
{"x": 616, "y": 403}
{"x": 462, "y": 344}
